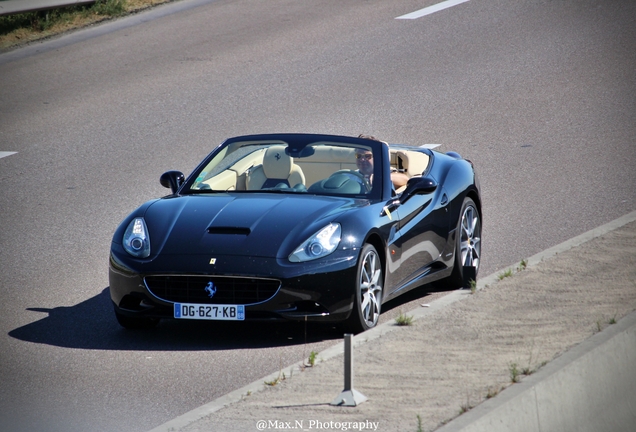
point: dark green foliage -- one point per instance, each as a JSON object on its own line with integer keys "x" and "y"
{"x": 43, "y": 20}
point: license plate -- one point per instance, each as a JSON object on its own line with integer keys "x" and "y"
{"x": 209, "y": 312}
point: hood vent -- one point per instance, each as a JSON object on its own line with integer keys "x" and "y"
{"x": 228, "y": 230}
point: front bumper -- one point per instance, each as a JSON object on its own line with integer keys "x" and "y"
{"x": 321, "y": 290}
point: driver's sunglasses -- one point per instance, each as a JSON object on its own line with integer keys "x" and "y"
{"x": 367, "y": 156}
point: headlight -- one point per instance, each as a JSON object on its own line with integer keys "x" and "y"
{"x": 136, "y": 240}
{"x": 319, "y": 245}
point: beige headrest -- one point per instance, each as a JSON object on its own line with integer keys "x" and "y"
{"x": 276, "y": 164}
{"x": 413, "y": 162}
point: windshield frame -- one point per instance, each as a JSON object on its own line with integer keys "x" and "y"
{"x": 299, "y": 147}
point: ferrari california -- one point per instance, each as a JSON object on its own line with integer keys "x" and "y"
{"x": 298, "y": 227}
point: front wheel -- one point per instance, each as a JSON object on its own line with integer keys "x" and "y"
{"x": 368, "y": 295}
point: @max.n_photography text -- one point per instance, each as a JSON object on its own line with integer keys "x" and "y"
{"x": 311, "y": 425}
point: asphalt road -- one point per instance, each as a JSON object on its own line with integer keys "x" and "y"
{"x": 540, "y": 94}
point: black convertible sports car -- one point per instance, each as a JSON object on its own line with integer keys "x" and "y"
{"x": 297, "y": 226}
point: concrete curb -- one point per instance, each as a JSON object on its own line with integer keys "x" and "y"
{"x": 370, "y": 335}
{"x": 590, "y": 388}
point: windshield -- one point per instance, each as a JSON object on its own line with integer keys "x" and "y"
{"x": 325, "y": 168}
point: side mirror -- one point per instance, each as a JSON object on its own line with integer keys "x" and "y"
{"x": 418, "y": 186}
{"x": 172, "y": 180}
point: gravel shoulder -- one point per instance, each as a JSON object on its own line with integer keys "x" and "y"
{"x": 454, "y": 356}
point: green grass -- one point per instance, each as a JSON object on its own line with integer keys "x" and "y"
{"x": 404, "y": 320}
{"x": 515, "y": 373}
{"x": 44, "y": 20}
{"x": 281, "y": 377}
{"x": 419, "y": 423}
{"x": 312, "y": 358}
{"x": 505, "y": 274}
{"x": 465, "y": 407}
{"x": 509, "y": 272}
{"x": 492, "y": 392}
{"x": 19, "y": 29}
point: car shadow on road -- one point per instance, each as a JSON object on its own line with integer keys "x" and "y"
{"x": 91, "y": 324}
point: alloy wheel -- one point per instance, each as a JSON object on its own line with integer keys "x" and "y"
{"x": 370, "y": 286}
{"x": 470, "y": 238}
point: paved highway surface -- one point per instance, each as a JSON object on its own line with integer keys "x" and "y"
{"x": 540, "y": 94}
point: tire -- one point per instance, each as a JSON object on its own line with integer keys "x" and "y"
{"x": 467, "y": 247}
{"x": 136, "y": 323}
{"x": 368, "y": 295}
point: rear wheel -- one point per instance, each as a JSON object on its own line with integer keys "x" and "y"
{"x": 467, "y": 247}
{"x": 368, "y": 298}
{"x": 134, "y": 323}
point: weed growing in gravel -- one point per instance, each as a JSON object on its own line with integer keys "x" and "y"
{"x": 492, "y": 392}
{"x": 281, "y": 375}
{"x": 280, "y": 378}
{"x": 522, "y": 265}
{"x": 404, "y": 320}
{"x": 600, "y": 323}
{"x": 312, "y": 358}
{"x": 419, "y": 423}
{"x": 473, "y": 286}
{"x": 465, "y": 407}
{"x": 515, "y": 374}
{"x": 509, "y": 272}
{"x": 505, "y": 274}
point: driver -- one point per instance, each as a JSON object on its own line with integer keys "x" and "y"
{"x": 364, "y": 162}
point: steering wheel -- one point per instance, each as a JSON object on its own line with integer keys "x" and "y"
{"x": 350, "y": 175}
{"x": 353, "y": 174}
{"x": 356, "y": 176}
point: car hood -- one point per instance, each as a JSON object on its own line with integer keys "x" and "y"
{"x": 263, "y": 225}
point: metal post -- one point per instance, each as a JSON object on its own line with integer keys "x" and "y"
{"x": 349, "y": 396}
{"x": 348, "y": 364}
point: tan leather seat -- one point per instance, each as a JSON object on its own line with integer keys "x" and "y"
{"x": 277, "y": 168}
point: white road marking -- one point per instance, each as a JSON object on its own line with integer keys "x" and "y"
{"x": 432, "y": 9}
{"x": 5, "y": 154}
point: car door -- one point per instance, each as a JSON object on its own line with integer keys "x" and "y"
{"x": 419, "y": 239}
